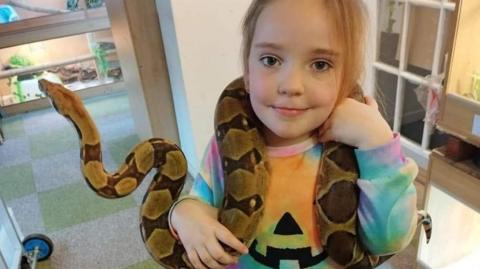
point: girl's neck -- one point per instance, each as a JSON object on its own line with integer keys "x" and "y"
{"x": 273, "y": 140}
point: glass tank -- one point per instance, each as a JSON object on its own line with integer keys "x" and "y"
{"x": 85, "y": 61}
{"x": 464, "y": 77}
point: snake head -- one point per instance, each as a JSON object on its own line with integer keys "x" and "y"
{"x": 62, "y": 99}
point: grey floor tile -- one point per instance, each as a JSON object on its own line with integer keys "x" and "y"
{"x": 57, "y": 170}
{"x": 43, "y": 120}
{"x": 110, "y": 242}
{"x": 12, "y": 127}
{"x": 139, "y": 193}
{"x": 15, "y": 151}
{"x": 109, "y": 163}
{"x": 27, "y": 214}
{"x": 101, "y": 106}
{"x": 115, "y": 126}
{"x": 52, "y": 142}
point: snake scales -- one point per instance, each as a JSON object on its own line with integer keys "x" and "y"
{"x": 246, "y": 179}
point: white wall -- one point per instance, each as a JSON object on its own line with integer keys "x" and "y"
{"x": 202, "y": 42}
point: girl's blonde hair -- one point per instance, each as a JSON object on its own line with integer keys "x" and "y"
{"x": 349, "y": 18}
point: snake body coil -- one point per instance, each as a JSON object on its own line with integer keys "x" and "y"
{"x": 242, "y": 150}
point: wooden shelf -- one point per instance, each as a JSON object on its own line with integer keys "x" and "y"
{"x": 461, "y": 180}
{"x": 458, "y": 115}
{"x": 53, "y": 26}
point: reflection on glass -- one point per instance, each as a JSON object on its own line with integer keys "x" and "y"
{"x": 385, "y": 95}
{"x": 422, "y": 34}
{"x": 87, "y": 60}
{"x": 390, "y": 27}
{"x": 14, "y": 10}
{"x": 413, "y": 114}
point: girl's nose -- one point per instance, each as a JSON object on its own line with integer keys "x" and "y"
{"x": 290, "y": 83}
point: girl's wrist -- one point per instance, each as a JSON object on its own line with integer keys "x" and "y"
{"x": 376, "y": 140}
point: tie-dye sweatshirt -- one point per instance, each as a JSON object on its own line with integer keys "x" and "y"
{"x": 287, "y": 236}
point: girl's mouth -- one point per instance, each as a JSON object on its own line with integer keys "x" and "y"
{"x": 289, "y": 112}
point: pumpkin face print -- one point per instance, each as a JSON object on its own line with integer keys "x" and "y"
{"x": 287, "y": 235}
{"x": 287, "y": 229}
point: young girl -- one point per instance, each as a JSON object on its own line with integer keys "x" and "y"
{"x": 301, "y": 61}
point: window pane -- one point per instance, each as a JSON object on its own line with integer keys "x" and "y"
{"x": 422, "y": 34}
{"x": 390, "y": 26}
{"x": 413, "y": 114}
{"x": 385, "y": 95}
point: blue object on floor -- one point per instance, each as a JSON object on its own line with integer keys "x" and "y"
{"x": 40, "y": 242}
{"x": 7, "y": 14}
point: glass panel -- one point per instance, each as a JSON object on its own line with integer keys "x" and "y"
{"x": 385, "y": 94}
{"x": 390, "y": 26}
{"x": 413, "y": 114}
{"x": 422, "y": 34}
{"x": 437, "y": 139}
{"x": 453, "y": 222}
{"x": 464, "y": 73}
{"x": 88, "y": 60}
{"x": 10, "y": 247}
{"x": 11, "y": 11}
{"x": 448, "y": 35}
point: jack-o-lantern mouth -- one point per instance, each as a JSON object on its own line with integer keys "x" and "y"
{"x": 287, "y": 226}
{"x": 274, "y": 255}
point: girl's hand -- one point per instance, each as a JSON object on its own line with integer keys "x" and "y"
{"x": 200, "y": 232}
{"x": 356, "y": 124}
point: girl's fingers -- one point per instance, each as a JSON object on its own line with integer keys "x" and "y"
{"x": 219, "y": 254}
{"x": 370, "y": 101}
{"x": 195, "y": 260}
{"x": 225, "y": 236}
{"x": 207, "y": 259}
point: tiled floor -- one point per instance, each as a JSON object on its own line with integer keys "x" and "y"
{"x": 41, "y": 181}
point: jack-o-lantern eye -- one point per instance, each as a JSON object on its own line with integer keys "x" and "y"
{"x": 287, "y": 228}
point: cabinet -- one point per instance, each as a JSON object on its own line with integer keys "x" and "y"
{"x": 452, "y": 186}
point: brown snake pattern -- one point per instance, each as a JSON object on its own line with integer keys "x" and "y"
{"x": 246, "y": 179}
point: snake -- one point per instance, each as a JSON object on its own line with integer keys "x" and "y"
{"x": 242, "y": 148}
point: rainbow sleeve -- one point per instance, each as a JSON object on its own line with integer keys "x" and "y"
{"x": 387, "y": 211}
{"x": 208, "y": 184}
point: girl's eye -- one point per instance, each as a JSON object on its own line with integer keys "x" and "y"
{"x": 269, "y": 61}
{"x": 321, "y": 66}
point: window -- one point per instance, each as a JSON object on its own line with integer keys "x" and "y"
{"x": 410, "y": 53}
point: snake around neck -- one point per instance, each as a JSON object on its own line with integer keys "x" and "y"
{"x": 243, "y": 152}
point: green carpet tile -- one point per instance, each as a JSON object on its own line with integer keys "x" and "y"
{"x": 120, "y": 148}
{"x": 114, "y": 104}
{"x": 13, "y": 127}
{"x": 53, "y": 142}
{"x": 148, "y": 264}
{"x": 77, "y": 203}
{"x": 16, "y": 181}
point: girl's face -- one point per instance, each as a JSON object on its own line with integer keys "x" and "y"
{"x": 293, "y": 69}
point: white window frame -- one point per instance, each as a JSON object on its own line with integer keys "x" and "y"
{"x": 418, "y": 152}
